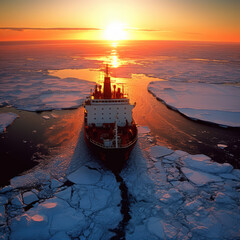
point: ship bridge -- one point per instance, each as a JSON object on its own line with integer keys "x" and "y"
{"x": 108, "y": 106}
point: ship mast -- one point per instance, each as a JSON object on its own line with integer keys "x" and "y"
{"x": 107, "y": 85}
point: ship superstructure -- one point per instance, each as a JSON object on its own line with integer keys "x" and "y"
{"x": 108, "y": 124}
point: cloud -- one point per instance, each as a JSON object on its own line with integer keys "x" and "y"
{"x": 50, "y": 29}
{"x": 76, "y": 29}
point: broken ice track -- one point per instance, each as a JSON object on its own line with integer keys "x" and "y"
{"x": 125, "y": 209}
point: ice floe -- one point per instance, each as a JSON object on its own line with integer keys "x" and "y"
{"x": 143, "y": 129}
{"x": 182, "y": 196}
{"x": 200, "y": 178}
{"x": 6, "y": 119}
{"x": 35, "y": 91}
{"x": 29, "y": 197}
{"x": 85, "y": 175}
{"x": 172, "y": 195}
{"x": 217, "y": 103}
{"x": 203, "y": 163}
{"x": 160, "y": 151}
{"x": 78, "y": 210}
{"x": 222, "y": 146}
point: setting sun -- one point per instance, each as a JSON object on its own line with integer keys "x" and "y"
{"x": 115, "y": 31}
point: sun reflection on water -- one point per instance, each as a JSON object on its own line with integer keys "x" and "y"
{"x": 115, "y": 61}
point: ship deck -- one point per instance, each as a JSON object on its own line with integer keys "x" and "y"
{"x": 127, "y": 135}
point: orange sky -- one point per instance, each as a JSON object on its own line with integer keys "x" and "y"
{"x": 200, "y": 20}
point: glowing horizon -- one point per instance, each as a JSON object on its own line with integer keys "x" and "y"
{"x": 146, "y": 20}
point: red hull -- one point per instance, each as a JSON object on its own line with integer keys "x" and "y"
{"x": 113, "y": 158}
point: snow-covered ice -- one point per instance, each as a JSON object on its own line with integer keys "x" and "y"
{"x": 143, "y": 129}
{"x": 36, "y": 91}
{"x": 160, "y": 151}
{"x": 85, "y": 175}
{"x": 85, "y": 209}
{"x": 181, "y": 196}
{"x": 203, "y": 163}
{"x": 217, "y": 103}
{"x": 173, "y": 195}
{"x": 6, "y": 119}
{"x": 29, "y": 197}
{"x": 222, "y": 146}
{"x": 200, "y": 178}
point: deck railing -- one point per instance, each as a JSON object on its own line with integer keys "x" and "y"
{"x": 111, "y": 147}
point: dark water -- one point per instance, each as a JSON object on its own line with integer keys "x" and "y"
{"x": 31, "y": 139}
{"x": 20, "y": 146}
{"x": 178, "y": 132}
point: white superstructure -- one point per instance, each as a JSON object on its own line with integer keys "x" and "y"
{"x": 101, "y": 111}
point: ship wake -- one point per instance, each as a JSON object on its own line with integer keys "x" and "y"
{"x": 125, "y": 210}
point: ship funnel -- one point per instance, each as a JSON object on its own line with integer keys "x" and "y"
{"x": 107, "y": 85}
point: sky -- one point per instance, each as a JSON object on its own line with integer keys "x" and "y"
{"x": 197, "y": 20}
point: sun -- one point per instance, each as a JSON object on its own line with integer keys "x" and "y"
{"x": 115, "y": 32}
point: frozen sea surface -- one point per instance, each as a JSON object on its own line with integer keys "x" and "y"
{"x": 215, "y": 103}
{"x": 6, "y": 119}
{"x": 173, "y": 195}
{"x": 36, "y": 91}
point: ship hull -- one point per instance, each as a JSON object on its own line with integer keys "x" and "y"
{"x": 113, "y": 158}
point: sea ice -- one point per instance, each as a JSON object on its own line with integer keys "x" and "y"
{"x": 143, "y": 129}
{"x": 45, "y": 117}
{"x": 203, "y": 163}
{"x": 222, "y": 146}
{"x": 140, "y": 232}
{"x": 200, "y": 178}
{"x": 185, "y": 197}
{"x": 195, "y": 204}
{"x": 28, "y": 227}
{"x": 84, "y": 175}
{"x": 170, "y": 196}
{"x": 17, "y": 201}
{"x": 229, "y": 176}
{"x": 65, "y": 194}
{"x": 29, "y": 197}
{"x": 36, "y": 91}
{"x": 3, "y": 200}
{"x": 2, "y": 215}
{"x": 159, "y": 151}
{"x": 66, "y": 220}
{"x": 155, "y": 227}
{"x": 55, "y": 184}
{"x": 6, "y": 119}
{"x": 60, "y": 235}
{"x": 217, "y": 103}
{"x": 223, "y": 198}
